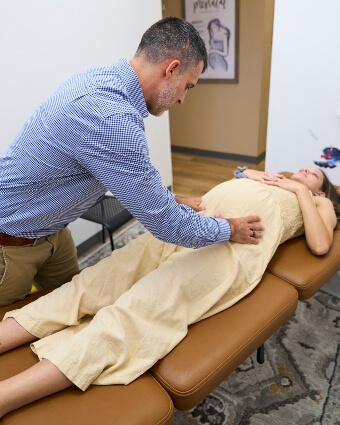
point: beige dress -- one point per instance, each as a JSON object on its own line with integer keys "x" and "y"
{"x": 112, "y": 322}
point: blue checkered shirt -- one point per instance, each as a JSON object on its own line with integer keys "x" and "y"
{"x": 87, "y": 138}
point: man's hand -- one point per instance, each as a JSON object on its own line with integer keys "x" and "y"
{"x": 193, "y": 203}
{"x": 246, "y": 229}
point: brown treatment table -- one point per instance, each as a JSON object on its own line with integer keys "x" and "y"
{"x": 212, "y": 349}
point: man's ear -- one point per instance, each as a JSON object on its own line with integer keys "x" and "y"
{"x": 172, "y": 68}
{"x": 322, "y": 194}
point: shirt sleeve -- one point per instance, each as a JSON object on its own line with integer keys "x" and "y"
{"x": 116, "y": 153}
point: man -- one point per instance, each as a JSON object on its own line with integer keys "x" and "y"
{"x": 87, "y": 138}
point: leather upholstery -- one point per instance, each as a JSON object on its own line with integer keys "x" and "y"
{"x": 294, "y": 263}
{"x": 215, "y": 347}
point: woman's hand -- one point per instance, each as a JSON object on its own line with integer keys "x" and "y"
{"x": 263, "y": 176}
{"x": 288, "y": 184}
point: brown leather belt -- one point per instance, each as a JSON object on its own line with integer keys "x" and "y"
{"x": 8, "y": 240}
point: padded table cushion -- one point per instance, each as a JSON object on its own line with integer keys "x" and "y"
{"x": 215, "y": 347}
{"x": 294, "y": 263}
{"x": 143, "y": 402}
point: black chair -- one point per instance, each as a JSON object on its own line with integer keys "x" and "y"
{"x": 108, "y": 212}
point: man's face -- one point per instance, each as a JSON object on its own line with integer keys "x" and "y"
{"x": 175, "y": 90}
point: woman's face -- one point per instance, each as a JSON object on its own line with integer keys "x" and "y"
{"x": 311, "y": 177}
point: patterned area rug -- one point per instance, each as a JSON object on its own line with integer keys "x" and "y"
{"x": 299, "y": 383}
{"x": 120, "y": 238}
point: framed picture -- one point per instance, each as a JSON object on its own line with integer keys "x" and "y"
{"x": 217, "y": 23}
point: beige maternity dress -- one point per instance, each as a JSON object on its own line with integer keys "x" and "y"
{"x": 114, "y": 320}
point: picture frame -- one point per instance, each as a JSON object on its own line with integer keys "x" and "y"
{"x": 217, "y": 22}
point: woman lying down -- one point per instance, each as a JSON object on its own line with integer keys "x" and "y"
{"x": 114, "y": 320}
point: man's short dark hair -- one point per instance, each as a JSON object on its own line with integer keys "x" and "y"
{"x": 173, "y": 37}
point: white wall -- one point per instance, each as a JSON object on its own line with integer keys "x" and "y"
{"x": 305, "y": 84}
{"x": 42, "y": 43}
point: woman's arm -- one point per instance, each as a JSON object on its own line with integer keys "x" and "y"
{"x": 318, "y": 215}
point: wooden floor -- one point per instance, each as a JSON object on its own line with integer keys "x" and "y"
{"x": 195, "y": 175}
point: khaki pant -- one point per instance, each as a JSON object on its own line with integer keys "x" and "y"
{"x": 48, "y": 262}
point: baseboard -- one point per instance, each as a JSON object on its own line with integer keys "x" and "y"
{"x": 220, "y": 155}
{"x": 94, "y": 240}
